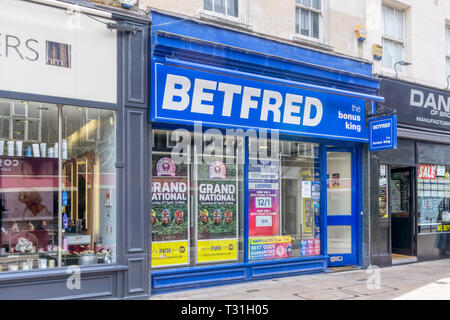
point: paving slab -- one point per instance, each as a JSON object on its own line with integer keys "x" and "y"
{"x": 424, "y": 280}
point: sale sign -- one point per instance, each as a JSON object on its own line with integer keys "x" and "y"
{"x": 264, "y": 199}
{"x": 427, "y": 172}
{"x": 270, "y": 247}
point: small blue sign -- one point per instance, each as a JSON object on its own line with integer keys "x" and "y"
{"x": 221, "y": 98}
{"x": 383, "y": 133}
{"x": 64, "y": 198}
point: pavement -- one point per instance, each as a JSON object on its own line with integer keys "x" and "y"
{"x": 417, "y": 281}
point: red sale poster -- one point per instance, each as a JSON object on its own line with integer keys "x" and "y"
{"x": 264, "y": 199}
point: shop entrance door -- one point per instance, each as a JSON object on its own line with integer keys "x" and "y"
{"x": 402, "y": 213}
{"x": 341, "y": 211}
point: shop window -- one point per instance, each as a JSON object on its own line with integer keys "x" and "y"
{"x": 47, "y": 221}
{"x": 20, "y": 120}
{"x": 433, "y": 196}
{"x": 197, "y": 198}
{"x": 308, "y": 18}
{"x": 284, "y": 201}
{"x": 393, "y": 36}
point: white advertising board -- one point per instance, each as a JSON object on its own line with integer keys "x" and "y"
{"x": 49, "y": 51}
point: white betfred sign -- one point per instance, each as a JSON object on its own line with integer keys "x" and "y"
{"x": 56, "y": 52}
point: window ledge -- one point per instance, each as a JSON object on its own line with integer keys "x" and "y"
{"x": 312, "y": 43}
{"x": 225, "y": 21}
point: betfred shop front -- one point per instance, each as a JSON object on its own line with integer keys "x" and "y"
{"x": 410, "y": 187}
{"x": 65, "y": 208}
{"x": 257, "y": 162}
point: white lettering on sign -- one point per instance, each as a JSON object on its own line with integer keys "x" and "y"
{"x": 427, "y": 172}
{"x": 417, "y": 99}
{"x": 381, "y": 126}
{"x": 177, "y": 98}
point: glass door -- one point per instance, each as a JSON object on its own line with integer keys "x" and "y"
{"x": 341, "y": 216}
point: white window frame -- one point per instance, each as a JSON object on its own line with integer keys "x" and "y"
{"x": 401, "y": 42}
{"x": 321, "y": 23}
{"x": 14, "y": 117}
{"x": 240, "y": 19}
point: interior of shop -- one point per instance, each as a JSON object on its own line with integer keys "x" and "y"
{"x": 57, "y": 203}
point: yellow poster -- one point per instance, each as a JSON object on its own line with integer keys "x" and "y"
{"x": 170, "y": 253}
{"x": 216, "y": 250}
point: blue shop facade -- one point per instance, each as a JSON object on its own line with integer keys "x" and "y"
{"x": 259, "y": 156}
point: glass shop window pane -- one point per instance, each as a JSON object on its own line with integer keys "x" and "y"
{"x": 89, "y": 186}
{"x": 317, "y": 4}
{"x": 305, "y": 22}
{"x": 297, "y": 20}
{"x": 233, "y": 6}
{"x": 208, "y": 4}
{"x": 433, "y": 192}
{"x": 315, "y": 25}
{"x": 448, "y": 41}
{"x": 339, "y": 239}
{"x": 398, "y": 54}
{"x": 284, "y": 204}
{"x": 19, "y": 129}
{"x": 19, "y": 109}
{"x": 197, "y": 199}
{"x": 29, "y": 199}
{"x": 4, "y": 133}
{"x": 307, "y": 3}
{"x": 339, "y": 183}
{"x": 448, "y": 66}
{"x": 399, "y": 25}
{"x": 389, "y": 22}
{"x": 5, "y": 108}
{"x": 219, "y": 6}
{"x": 33, "y": 130}
{"x": 388, "y": 54}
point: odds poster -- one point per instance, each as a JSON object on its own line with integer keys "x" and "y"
{"x": 264, "y": 199}
{"x": 217, "y": 212}
{"x": 170, "y": 212}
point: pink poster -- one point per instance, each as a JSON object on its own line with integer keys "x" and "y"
{"x": 264, "y": 200}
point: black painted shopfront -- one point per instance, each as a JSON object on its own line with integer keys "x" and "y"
{"x": 410, "y": 185}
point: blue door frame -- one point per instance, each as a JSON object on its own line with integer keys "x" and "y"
{"x": 353, "y": 258}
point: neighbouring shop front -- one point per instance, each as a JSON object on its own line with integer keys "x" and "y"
{"x": 258, "y": 157}
{"x": 410, "y": 186}
{"x": 68, "y": 122}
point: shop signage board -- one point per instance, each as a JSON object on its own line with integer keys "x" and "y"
{"x": 170, "y": 211}
{"x": 56, "y": 59}
{"x": 383, "y": 133}
{"x": 417, "y": 105}
{"x": 221, "y": 98}
{"x": 217, "y": 212}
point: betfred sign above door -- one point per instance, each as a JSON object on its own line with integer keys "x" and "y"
{"x": 49, "y": 51}
{"x": 427, "y": 172}
{"x": 220, "y": 98}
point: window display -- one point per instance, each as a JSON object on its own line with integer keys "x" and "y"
{"x": 433, "y": 193}
{"x": 197, "y": 198}
{"x": 196, "y": 204}
{"x": 57, "y": 204}
{"x": 284, "y": 202}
